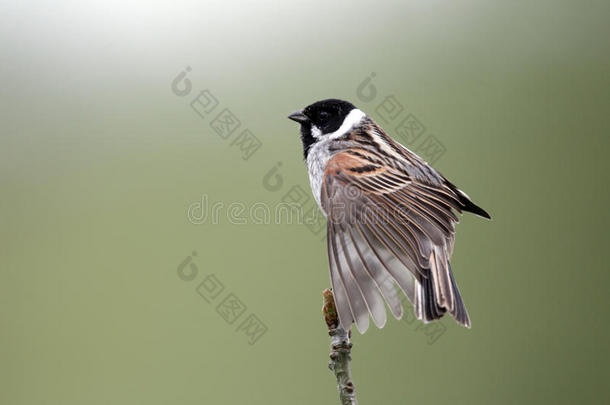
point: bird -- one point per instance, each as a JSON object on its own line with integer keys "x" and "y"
{"x": 390, "y": 218}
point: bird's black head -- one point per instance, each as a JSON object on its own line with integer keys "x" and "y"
{"x": 321, "y": 118}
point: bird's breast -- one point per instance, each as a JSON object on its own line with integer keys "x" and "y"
{"x": 318, "y": 157}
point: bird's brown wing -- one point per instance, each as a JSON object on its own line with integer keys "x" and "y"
{"x": 386, "y": 226}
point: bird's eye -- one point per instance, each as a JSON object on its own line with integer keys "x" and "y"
{"x": 323, "y": 116}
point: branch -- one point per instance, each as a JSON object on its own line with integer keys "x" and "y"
{"x": 341, "y": 347}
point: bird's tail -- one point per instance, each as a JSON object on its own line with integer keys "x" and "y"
{"x": 437, "y": 294}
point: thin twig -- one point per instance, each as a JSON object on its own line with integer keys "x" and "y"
{"x": 341, "y": 347}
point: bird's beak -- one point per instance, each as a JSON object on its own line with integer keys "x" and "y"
{"x": 299, "y": 117}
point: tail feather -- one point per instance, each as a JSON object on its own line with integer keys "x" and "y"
{"x": 460, "y": 313}
{"x": 427, "y": 307}
{"x": 426, "y": 300}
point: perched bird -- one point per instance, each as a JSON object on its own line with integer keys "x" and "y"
{"x": 390, "y": 218}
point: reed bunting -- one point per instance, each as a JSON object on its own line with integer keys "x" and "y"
{"x": 390, "y": 218}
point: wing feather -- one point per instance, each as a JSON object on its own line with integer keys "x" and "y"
{"x": 344, "y": 310}
{"x": 376, "y": 268}
{"x": 395, "y": 268}
{"x": 356, "y": 301}
{"x": 360, "y": 274}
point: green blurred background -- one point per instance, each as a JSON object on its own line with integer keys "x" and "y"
{"x": 100, "y": 160}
